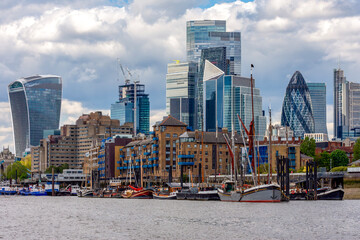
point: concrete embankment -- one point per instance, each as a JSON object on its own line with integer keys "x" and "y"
{"x": 352, "y": 188}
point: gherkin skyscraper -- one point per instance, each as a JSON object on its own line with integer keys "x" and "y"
{"x": 297, "y": 111}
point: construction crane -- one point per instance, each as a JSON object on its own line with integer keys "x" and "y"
{"x": 127, "y": 75}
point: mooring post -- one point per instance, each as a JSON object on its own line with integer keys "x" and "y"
{"x": 53, "y": 187}
{"x": 287, "y": 177}
{"x": 181, "y": 175}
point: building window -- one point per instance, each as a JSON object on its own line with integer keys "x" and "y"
{"x": 168, "y": 135}
{"x": 175, "y": 135}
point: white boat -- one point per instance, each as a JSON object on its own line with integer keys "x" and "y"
{"x": 85, "y": 193}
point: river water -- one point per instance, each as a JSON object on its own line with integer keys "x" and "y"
{"x": 30, "y": 217}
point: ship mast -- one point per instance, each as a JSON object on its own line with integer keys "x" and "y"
{"x": 270, "y": 148}
{"x": 251, "y": 132}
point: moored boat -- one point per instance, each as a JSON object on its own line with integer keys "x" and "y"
{"x": 333, "y": 194}
{"x": 164, "y": 195}
{"x": 85, "y": 193}
{"x": 262, "y": 193}
{"x": 228, "y": 192}
{"x": 138, "y": 193}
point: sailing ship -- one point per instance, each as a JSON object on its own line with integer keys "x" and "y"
{"x": 258, "y": 193}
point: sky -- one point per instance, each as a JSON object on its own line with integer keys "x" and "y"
{"x": 83, "y": 41}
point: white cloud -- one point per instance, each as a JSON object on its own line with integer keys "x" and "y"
{"x": 157, "y": 115}
{"x": 81, "y": 41}
{"x": 330, "y": 120}
{"x": 72, "y": 110}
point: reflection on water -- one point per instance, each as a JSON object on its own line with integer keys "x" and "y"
{"x": 86, "y": 218}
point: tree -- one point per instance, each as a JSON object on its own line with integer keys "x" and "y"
{"x": 339, "y": 158}
{"x": 357, "y": 149}
{"x": 323, "y": 160}
{"x": 26, "y": 161}
{"x": 58, "y": 169}
{"x": 16, "y": 170}
{"x": 308, "y": 146}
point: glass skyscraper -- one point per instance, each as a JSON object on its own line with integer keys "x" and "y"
{"x": 225, "y": 96}
{"x": 297, "y": 111}
{"x": 340, "y": 103}
{"x": 123, "y": 110}
{"x": 204, "y": 34}
{"x": 35, "y": 106}
{"x": 318, "y": 100}
{"x": 180, "y": 91}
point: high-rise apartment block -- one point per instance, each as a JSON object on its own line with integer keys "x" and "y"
{"x": 74, "y": 142}
{"x": 180, "y": 91}
{"x": 124, "y": 109}
{"x": 35, "y": 106}
{"x": 225, "y": 96}
{"x": 297, "y": 110}
{"x": 318, "y": 100}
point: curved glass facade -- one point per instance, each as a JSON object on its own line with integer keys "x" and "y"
{"x": 225, "y": 96}
{"x": 35, "y": 106}
{"x": 297, "y": 111}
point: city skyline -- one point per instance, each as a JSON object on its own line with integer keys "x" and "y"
{"x": 277, "y": 37}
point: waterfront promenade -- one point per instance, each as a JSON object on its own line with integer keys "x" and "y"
{"x": 95, "y": 218}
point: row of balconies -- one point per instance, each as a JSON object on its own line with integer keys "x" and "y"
{"x": 137, "y": 167}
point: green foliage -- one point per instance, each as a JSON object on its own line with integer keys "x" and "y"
{"x": 339, "y": 169}
{"x": 339, "y": 158}
{"x": 308, "y": 146}
{"x": 323, "y": 160}
{"x": 58, "y": 169}
{"x": 264, "y": 168}
{"x": 16, "y": 170}
{"x": 357, "y": 149}
{"x": 301, "y": 170}
{"x": 185, "y": 178}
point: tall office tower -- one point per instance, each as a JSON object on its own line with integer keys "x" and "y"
{"x": 35, "y": 106}
{"x": 340, "y": 102}
{"x": 350, "y": 111}
{"x": 204, "y": 34}
{"x": 225, "y": 96}
{"x": 318, "y": 100}
{"x": 297, "y": 111}
{"x": 123, "y": 109}
{"x": 180, "y": 91}
{"x": 197, "y": 36}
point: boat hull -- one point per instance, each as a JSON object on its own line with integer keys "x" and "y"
{"x": 38, "y": 193}
{"x": 164, "y": 196}
{"x": 203, "y": 196}
{"x": 233, "y": 196}
{"x": 335, "y": 194}
{"x": 263, "y": 193}
{"x": 88, "y": 193}
{"x": 142, "y": 194}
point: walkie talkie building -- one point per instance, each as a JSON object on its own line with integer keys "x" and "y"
{"x": 35, "y": 106}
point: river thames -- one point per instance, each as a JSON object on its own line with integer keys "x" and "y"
{"x": 94, "y": 218}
